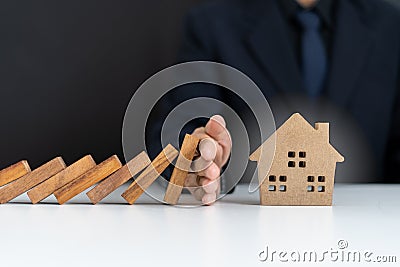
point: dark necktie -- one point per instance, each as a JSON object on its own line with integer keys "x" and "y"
{"x": 313, "y": 54}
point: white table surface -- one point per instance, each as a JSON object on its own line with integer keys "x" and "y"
{"x": 230, "y": 233}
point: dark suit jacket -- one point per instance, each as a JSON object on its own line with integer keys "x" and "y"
{"x": 364, "y": 77}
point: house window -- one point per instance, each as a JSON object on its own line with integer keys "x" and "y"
{"x": 276, "y": 183}
{"x": 271, "y": 188}
{"x": 292, "y": 157}
{"x": 316, "y": 183}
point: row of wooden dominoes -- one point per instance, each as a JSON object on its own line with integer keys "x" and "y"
{"x": 54, "y": 177}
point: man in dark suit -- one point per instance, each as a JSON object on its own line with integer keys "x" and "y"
{"x": 342, "y": 54}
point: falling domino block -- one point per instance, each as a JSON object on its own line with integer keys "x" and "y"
{"x": 14, "y": 172}
{"x": 57, "y": 181}
{"x": 87, "y": 179}
{"x": 181, "y": 169}
{"x": 31, "y": 179}
{"x": 118, "y": 178}
{"x": 150, "y": 174}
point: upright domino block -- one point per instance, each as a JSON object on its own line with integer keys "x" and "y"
{"x": 181, "y": 169}
{"x": 150, "y": 174}
{"x": 14, "y": 172}
{"x": 87, "y": 179}
{"x": 31, "y": 179}
{"x": 57, "y": 181}
{"x": 118, "y": 178}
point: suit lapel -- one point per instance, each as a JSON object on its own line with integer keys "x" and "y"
{"x": 351, "y": 46}
{"x": 270, "y": 46}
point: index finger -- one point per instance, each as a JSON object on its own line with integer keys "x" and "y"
{"x": 208, "y": 149}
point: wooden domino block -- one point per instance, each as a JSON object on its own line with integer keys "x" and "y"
{"x": 87, "y": 179}
{"x": 57, "y": 181}
{"x": 118, "y": 178}
{"x": 14, "y": 172}
{"x": 181, "y": 169}
{"x": 150, "y": 174}
{"x": 31, "y": 179}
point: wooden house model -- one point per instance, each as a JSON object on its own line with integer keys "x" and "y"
{"x": 303, "y": 168}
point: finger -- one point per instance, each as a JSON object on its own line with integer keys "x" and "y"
{"x": 192, "y": 184}
{"x": 219, "y": 119}
{"x": 202, "y": 189}
{"x": 200, "y": 133}
{"x": 191, "y": 181}
{"x": 199, "y": 164}
{"x": 208, "y": 149}
{"x": 221, "y": 156}
{"x": 212, "y": 172}
{"x": 209, "y": 199}
{"x": 209, "y": 186}
{"x": 198, "y": 193}
{"x": 216, "y": 128}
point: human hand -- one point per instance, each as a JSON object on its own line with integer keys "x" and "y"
{"x": 214, "y": 150}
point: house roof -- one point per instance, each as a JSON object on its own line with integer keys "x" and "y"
{"x": 298, "y": 123}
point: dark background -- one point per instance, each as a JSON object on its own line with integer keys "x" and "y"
{"x": 69, "y": 68}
